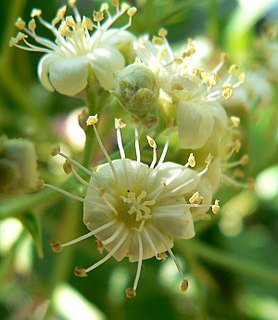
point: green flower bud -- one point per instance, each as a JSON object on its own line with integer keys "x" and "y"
{"x": 18, "y": 167}
{"x": 137, "y": 89}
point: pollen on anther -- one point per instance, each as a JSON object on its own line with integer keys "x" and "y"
{"x": 130, "y": 293}
{"x": 32, "y": 25}
{"x": 209, "y": 159}
{"x": 162, "y": 32}
{"x": 20, "y": 24}
{"x": 151, "y": 142}
{"x": 235, "y": 121}
{"x": 71, "y": 3}
{"x": 184, "y": 285}
{"x": 161, "y": 256}
{"x": 55, "y": 150}
{"x": 92, "y": 120}
{"x": 216, "y": 207}
{"x": 119, "y": 123}
{"x": 56, "y": 246}
{"x": 80, "y": 272}
{"x": 191, "y": 160}
{"x": 36, "y": 13}
{"x": 67, "y": 166}
{"x": 99, "y": 246}
{"x": 131, "y": 12}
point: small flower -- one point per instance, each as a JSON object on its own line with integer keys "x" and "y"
{"x": 193, "y": 90}
{"x": 82, "y": 47}
{"x": 136, "y": 210}
{"x": 18, "y": 167}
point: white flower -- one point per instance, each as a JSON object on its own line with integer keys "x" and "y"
{"x": 135, "y": 210}
{"x": 82, "y": 48}
{"x": 193, "y": 90}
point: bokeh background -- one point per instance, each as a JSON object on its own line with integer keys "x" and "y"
{"x": 233, "y": 261}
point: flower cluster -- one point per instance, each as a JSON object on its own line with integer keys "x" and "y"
{"x": 135, "y": 209}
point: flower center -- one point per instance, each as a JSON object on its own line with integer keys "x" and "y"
{"x": 136, "y": 210}
{"x": 139, "y": 207}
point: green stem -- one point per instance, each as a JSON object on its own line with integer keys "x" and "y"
{"x": 20, "y": 205}
{"x": 233, "y": 263}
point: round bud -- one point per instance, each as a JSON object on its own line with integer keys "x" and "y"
{"x": 137, "y": 89}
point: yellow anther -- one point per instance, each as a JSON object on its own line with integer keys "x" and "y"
{"x": 161, "y": 256}
{"x": 235, "y": 121}
{"x": 233, "y": 68}
{"x": 56, "y": 246}
{"x": 67, "y": 166}
{"x": 190, "y": 49}
{"x": 244, "y": 160}
{"x": 98, "y": 16}
{"x": 151, "y": 142}
{"x": 131, "y": 12}
{"x": 184, "y": 285}
{"x": 237, "y": 145}
{"x": 241, "y": 77}
{"x": 80, "y": 272}
{"x": 59, "y": 15}
{"x": 130, "y": 293}
{"x": 216, "y": 207}
{"x": 124, "y": 7}
{"x": 20, "y": 24}
{"x": 209, "y": 159}
{"x": 157, "y": 40}
{"x": 99, "y": 246}
{"x": 71, "y": 3}
{"x": 70, "y": 22}
{"x": 36, "y": 13}
{"x": 224, "y": 57}
{"x": 104, "y": 7}
{"x": 32, "y": 25}
{"x": 55, "y": 150}
{"x": 163, "y": 32}
{"x": 14, "y": 41}
{"x": 196, "y": 198}
{"x": 191, "y": 160}
{"x": 227, "y": 92}
{"x": 64, "y": 29}
{"x": 87, "y": 23}
{"x": 119, "y": 123}
{"x": 92, "y": 120}
{"x": 115, "y": 3}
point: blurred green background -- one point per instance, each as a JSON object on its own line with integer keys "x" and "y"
{"x": 232, "y": 263}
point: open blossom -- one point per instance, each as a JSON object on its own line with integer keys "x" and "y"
{"x": 82, "y": 48}
{"x": 193, "y": 91}
{"x": 136, "y": 210}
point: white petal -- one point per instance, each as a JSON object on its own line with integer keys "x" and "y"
{"x": 195, "y": 124}
{"x": 105, "y": 63}
{"x": 43, "y": 70}
{"x": 175, "y": 219}
{"x": 116, "y": 37}
{"x": 69, "y": 75}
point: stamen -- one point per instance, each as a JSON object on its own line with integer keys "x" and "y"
{"x": 165, "y": 149}
{"x": 66, "y": 193}
{"x": 110, "y": 254}
{"x": 137, "y": 146}
{"x": 153, "y": 145}
{"x": 175, "y": 259}
{"x": 109, "y": 204}
{"x": 146, "y": 233}
{"x": 216, "y": 207}
{"x": 20, "y": 24}
{"x": 119, "y": 124}
{"x": 140, "y": 259}
{"x": 92, "y": 121}
{"x": 57, "y": 246}
{"x": 114, "y": 235}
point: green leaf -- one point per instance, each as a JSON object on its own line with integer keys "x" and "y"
{"x": 32, "y": 224}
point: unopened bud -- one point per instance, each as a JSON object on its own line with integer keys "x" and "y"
{"x": 136, "y": 89}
